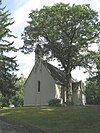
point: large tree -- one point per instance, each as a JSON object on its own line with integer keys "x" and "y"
{"x": 7, "y": 63}
{"x": 64, "y": 32}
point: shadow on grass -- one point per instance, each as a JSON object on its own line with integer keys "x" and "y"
{"x": 70, "y": 119}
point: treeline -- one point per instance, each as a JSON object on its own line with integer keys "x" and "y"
{"x": 11, "y": 87}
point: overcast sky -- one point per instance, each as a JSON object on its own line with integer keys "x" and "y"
{"x": 20, "y": 10}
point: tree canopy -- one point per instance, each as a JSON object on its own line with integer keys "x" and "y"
{"x": 7, "y": 63}
{"x": 64, "y": 32}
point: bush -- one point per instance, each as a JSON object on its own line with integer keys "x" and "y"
{"x": 17, "y": 101}
{"x": 67, "y": 103}
{"x": 5, "y": 102}
{"x": 55, "y": 102}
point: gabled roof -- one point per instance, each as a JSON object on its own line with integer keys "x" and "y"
{"x": 57, "y": 74}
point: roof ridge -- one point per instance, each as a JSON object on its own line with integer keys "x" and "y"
{"x": 59, "y": 71}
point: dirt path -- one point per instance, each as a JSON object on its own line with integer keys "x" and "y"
{"x": 9, "y": 127}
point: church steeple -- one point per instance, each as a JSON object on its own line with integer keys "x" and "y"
{"x": 38, "y": 53}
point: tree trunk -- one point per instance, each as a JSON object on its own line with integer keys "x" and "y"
{"x": 69, "y": 88}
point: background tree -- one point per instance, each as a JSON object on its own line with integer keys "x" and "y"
{"x": 7, "y": 64}
{"x": 92, "y": 91}
{"x": 18, "y": 98}
{"x": 93, "y": 87}
{"x": 64, "y": 32}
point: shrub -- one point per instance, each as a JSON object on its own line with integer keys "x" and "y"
{"x": 5, "y": 101}
{"x": 68, "y": 103}
{"x": 55, "y": 102}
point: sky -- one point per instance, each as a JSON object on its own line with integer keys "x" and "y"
{"x": 19, "y": 11}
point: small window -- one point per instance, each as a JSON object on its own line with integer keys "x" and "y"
{"x": 38, "y": 86}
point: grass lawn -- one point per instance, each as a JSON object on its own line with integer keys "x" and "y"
{"x": 70, "y": 119}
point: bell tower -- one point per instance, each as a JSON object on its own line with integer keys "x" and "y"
{"x": 38, "y": 53}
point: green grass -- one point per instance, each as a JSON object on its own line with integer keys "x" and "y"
{"x": 70, "y": 119}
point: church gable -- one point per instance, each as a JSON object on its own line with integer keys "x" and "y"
{"x": 44, "y": 83}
